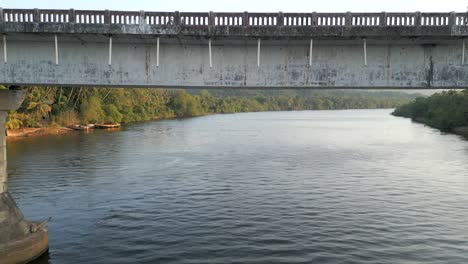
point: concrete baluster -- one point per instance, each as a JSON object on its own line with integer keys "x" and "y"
{"x": 280, "y": 19}
{"x": 417, "y": 19}
{"x": 314, "y": 19}
{"x": 245, "y": 23}
{"x": 349, "y": 19}
{"x": 383, "y": 19}
{"x": 211, "y": 22}
{"x": 36, "y": 16}
{"x": 107, "y": 17}
{"x": 452, "y": 19}
{"x": 141, "y": 19}
{"x": 71, "y": 16}
{"x": 176, "y": 18}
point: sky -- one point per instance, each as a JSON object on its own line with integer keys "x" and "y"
{"x": 248, "y": 5}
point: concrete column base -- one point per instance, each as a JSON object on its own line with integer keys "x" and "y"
{"x": 21, "y": 241}
{"x": 9, "y": 100}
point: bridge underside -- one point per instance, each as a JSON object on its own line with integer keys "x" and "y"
{"x": 184, "y": 62}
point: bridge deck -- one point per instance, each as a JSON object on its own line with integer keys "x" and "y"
{"x": 233, "y": 50}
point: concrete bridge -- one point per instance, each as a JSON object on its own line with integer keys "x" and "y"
{"x": 237, "y": 50}
{"x": 215, "y": 50}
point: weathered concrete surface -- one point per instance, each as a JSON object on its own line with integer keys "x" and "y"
{"x": 83, "y": 60}
{"x": 12, "y": 223}
{"x": 18, "y": 242}
{"x": 265, "y": 25}
{"x": 9, "y": 100}
{"x": 404, "y": 50}
{"x": 266, "y": 32}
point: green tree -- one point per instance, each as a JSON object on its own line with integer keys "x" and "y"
{"x": 112, "y": 114}
{"x": 91, "y": 110}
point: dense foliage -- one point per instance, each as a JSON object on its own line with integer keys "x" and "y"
{"x": 67, "y": 106}
{"x": 446, "y": 110}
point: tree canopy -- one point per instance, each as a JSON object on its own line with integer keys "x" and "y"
{"x": 446, "y": 110}
{"x": 67, "y": 106}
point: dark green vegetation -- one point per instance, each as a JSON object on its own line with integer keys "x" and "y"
{"x": 66, "y": 106}
{"x": 446, "y": 111}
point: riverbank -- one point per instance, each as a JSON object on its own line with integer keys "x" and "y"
{"x": 35, "y": 132}
{"x": 461, "y": 131}
{"x": 53, "y": 130}
{"x": 446, "y": 111}
{"x": 69, "y": 106}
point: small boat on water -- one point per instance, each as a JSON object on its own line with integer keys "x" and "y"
{"x": 80, "y": 127}
{"x": 106, "y": 126}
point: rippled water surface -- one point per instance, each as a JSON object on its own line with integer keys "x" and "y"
{"x": 355, "y": 186}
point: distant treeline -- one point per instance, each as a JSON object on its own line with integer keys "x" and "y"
{"x": 446, "y": 110}
{"x": 66, "y": 106}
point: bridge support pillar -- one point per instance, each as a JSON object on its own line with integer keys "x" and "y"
{"x": 9, "y": 100}
{"x": 3, "y": 159}
{"x": 20, "y": 240}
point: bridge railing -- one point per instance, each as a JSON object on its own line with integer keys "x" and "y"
{"x": 194, "y": 19}
{"x": 461, "y": 19}
{"x": 159, "y": 18}
{"x": 18, "y": 15}
{"x": 122, "y": 18}
{"x": 262, "y": 19}
{"x": 88, "y": 17}
{"x": 229, "y": 19}
{"x": 245, "y": 19}
{"x": 401, "y": 19}
{"x": 329, "y": 19}
{"x": 295, "y": 19}
{"x": 435, "y": 19}
{"x": 363, "y": 19}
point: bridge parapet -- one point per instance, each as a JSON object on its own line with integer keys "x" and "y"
{"x": 243, "y": 24}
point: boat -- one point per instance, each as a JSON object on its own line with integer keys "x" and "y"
{"x": 107, "y": 126}
{"x": 80, "y": 127}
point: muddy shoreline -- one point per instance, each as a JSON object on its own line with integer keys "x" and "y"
{"x": 36, "y": 132}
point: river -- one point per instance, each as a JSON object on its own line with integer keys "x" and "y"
{"x": 355, "y": 186}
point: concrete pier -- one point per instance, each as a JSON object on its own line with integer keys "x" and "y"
{"x": 9, "y": 100}
{"x": 20, "y": 240}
